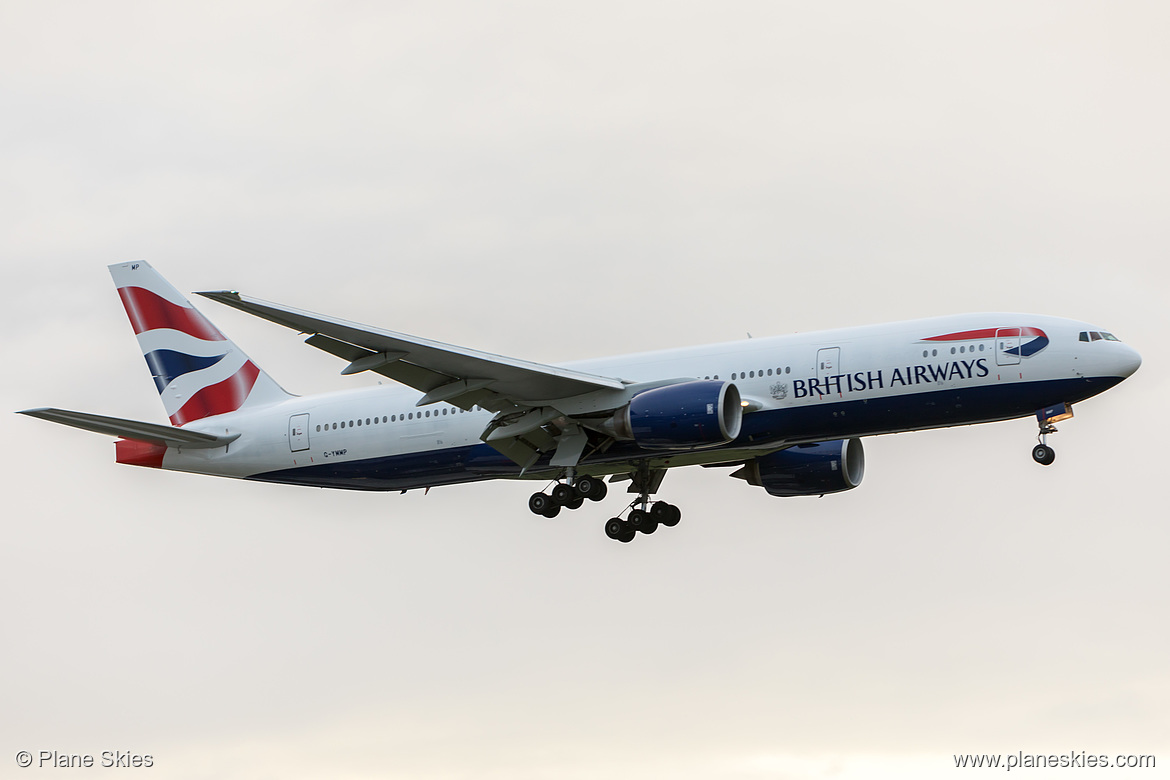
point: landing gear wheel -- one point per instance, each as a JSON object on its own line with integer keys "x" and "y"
{"x": 619, "y": 530}
{"x": 591, "y": 487}
{"x": 575, "y": 503}
{"x": 643, "y": 521}
{"x": 538, "y": 503}
{"x": 667, "y": 514}
{"x": 561, "y": 494}
{"x": 552, "y": 511}
{"x": 1043, "y": 454}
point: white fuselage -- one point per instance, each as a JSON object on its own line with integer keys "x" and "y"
{"x": 804, "y": 387}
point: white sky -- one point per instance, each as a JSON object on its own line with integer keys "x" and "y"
{"x": 557, "y": 182}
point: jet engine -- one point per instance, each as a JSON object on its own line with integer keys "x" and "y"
{"x": 808, "y": 469}
{"x": 703, "y": 413}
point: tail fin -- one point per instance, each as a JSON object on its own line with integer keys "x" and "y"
{"x": 199, "y": 372}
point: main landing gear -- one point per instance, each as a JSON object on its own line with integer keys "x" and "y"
{"x": 644, "y": 520}
{"x": 569, "y": 496}
{"x": 644, "y": 517}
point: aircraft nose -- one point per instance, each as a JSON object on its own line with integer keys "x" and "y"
{"x": 1127, "y": 361}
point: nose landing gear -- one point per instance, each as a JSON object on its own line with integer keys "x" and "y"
{"x": 1042, "y": 453}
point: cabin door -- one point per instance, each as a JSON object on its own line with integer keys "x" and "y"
{"x": 298, "y": 432}
{"x": 828, "y": 362}
{"x": 1007, "y": 347}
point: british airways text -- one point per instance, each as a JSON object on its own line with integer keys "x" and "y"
{"x": 839, "y": 384}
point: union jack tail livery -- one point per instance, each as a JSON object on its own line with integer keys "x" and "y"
{"x": 199, "y": 372}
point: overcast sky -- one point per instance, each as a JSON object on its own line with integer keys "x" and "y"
{"x": 563, "y": 181}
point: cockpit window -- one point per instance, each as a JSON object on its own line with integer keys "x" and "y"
{"x": 1092, "y": 335}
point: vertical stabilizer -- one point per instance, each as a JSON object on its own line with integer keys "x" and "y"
{"x": 199, "y": 372}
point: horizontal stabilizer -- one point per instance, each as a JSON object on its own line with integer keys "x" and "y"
{"x": 133, "y": 429}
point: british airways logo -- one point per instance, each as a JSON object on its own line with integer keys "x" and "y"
{"x": 1020, "y": 342}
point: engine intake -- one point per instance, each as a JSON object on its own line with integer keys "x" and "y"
{"x": 703, "y": 413}
{"x": 808, "y": 469}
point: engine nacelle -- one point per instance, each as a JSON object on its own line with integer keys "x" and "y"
{"x": 808, "y": 470}
{"x": 703, "y": 413}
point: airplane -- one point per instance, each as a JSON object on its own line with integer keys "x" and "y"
{"x": 786, "y": 412}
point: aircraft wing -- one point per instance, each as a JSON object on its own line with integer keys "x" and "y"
{"x": 132, "y": 429}
{"x": 443, "y": 372}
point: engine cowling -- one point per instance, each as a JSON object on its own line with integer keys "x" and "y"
{"x": 703, "y": 413}
{"x": 808, "y": 470}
